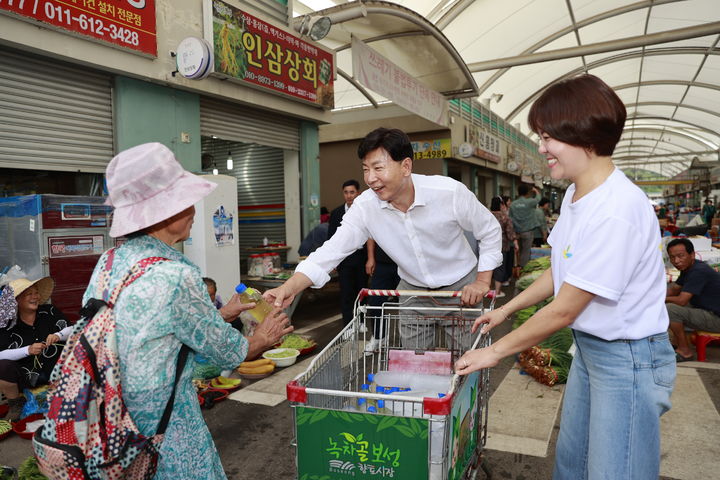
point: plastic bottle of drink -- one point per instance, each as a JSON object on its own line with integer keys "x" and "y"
{"x": 249, "y": 295}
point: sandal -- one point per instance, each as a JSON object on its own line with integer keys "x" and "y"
{"x": 679, "y": 358}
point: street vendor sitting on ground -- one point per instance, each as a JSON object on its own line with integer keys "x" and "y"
{"x": 693, "y": 301}
{"x": 417, "y": 220}
{"x": 30, "y": 344}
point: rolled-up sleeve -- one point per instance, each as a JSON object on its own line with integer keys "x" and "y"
{"x": 350, "y": 236}
{"x": 474, "y": 217}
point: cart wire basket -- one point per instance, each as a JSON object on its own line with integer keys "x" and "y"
{"x": 398, "y": 410}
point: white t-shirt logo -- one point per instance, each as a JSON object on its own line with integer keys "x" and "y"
{"x": 567, "y": 253}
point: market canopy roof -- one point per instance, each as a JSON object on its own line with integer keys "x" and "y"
{"x": 660, "y": 56}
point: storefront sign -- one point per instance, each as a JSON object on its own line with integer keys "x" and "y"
{"x": 269, "y": 57}
{"x": 194, "y": 58}
{"x": 424, "y": 149}
{"x": 125, "y": 23}
{"x": 387, "y": 79}
{"x": 336, "y": 444}
{"x": 75, "y": 246}
{"x": 486, "y": 145}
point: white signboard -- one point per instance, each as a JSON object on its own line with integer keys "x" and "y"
{"x": 380, "y": 75}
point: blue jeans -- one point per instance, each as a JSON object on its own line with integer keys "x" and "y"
{"x": 615, "y": 395}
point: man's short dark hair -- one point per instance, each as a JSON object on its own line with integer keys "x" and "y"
{"x": 582, "y": 111}
{"x": 543, "y": 201}
{"x": 352, "y": 183}
{"x": 210, "y": 282}
{"x": 523, "y": 189}
{"x": 689, "y": 248}
{"x": 394, "y": 141}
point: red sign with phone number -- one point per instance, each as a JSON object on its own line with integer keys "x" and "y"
{"x": 125, "y": 23}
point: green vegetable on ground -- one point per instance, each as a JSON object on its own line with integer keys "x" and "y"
{"x": 29, "y": 470}
{"x": 526, "y": 280}
{"x": 541, "y": 264}
{"x": 561, "y": 340}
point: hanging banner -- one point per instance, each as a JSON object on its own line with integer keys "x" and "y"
{"x": 268, "y": 57}
{"x": 123, "y": 23}
{"x": 381, "y": 75}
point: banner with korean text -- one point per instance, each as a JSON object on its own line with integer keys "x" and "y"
{"x": 335, "y": 445}
{"x": 123, "y": 23}
{"x": 381, "y": 75}
{"x": 266, "y": 56}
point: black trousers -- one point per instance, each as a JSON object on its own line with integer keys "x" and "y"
{"x": 352, "y": 279}
{"x": 384, "y": 278}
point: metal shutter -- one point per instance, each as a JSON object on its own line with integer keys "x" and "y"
{"x": 238, "y": 123}
{"x": 55, "y": 116}
{"x": 277, "y": 10}
{"x": 261, "y": 194}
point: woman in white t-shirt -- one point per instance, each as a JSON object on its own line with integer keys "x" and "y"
{"x": 607, "y": 277}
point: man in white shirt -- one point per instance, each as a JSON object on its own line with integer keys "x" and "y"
{"x": 417, "y": 220}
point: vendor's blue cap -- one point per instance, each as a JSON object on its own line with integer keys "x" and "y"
{"x": 371, "y": 377}
{"x": 240, "y": 288}
{"x": 364, "y": 386}
{"x": 371, "y": 409}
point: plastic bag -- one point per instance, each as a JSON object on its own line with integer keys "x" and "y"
{"x": 34, "y": 402}
{"x": 13, "y": 273}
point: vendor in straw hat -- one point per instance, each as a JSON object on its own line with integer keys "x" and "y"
{"x": 168, "y": 306}
{"x": 30, "y": 343}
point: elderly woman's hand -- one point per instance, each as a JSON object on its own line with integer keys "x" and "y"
{"x": 234, "y": 307}
{"x": 275, "y": 326}
{"x": 268, "y": 333}
{"x": 51, "y": 339}
{"x": 36, "y": 348}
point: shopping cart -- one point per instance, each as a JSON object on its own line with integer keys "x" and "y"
{"x": 343, "y": 429}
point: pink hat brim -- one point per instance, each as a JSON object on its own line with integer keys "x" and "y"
{"x": 186, "y": 192}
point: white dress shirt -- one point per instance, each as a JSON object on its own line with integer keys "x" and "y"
{"x": 426, "y": 242}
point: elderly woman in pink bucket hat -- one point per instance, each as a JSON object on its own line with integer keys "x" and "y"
{"x": 168, "y": 306}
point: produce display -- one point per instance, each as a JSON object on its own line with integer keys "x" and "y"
{"x": 541, "y": 264}
{"x": 256, "y": 367}
{"x": 527, "y": 279}
{"x": 5, "y": 427}
{"x": 296, "y": 341}
{"x": 549, "y": 362}
{"x": 282, "y": 354}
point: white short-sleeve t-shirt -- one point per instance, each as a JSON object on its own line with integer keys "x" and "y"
{"x": 608, "y": 243}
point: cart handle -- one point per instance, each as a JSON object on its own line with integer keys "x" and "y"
{"x": 366, "y": 292}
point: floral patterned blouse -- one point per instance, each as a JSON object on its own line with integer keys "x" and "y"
{"x": 508, "y": 232}
{"x": 166, "y": 307}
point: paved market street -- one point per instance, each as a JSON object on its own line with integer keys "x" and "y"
{"x": 254, "y": 439}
